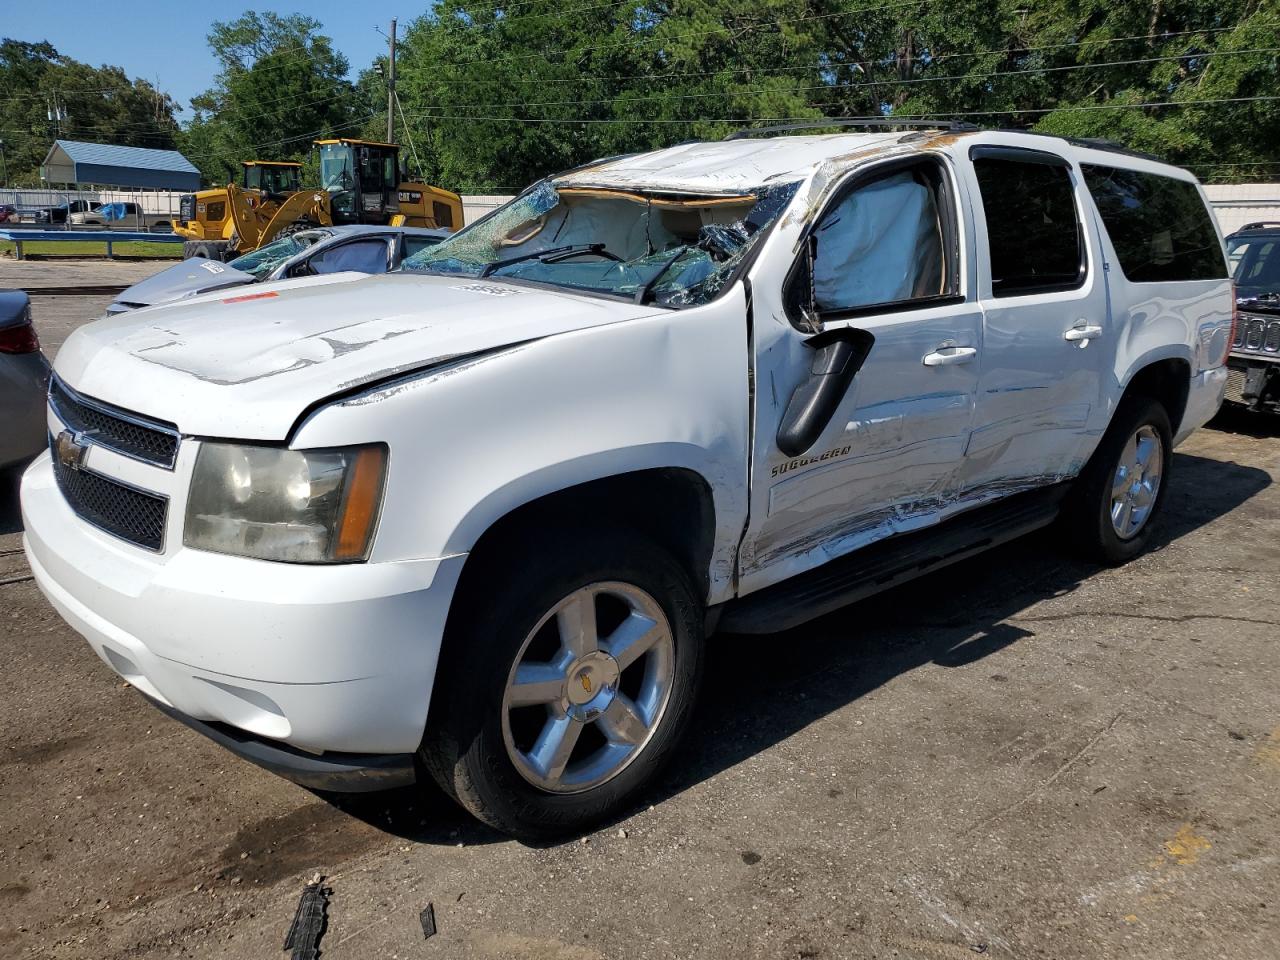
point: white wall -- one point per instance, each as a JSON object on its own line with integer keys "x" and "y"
{"x": 1236, "y": 204}
{"x": 475, "y": 206}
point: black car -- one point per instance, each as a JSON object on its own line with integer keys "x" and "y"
{"x": 1254, "y": 364}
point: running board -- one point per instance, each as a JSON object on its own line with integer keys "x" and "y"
{"x": 890, "y": 562}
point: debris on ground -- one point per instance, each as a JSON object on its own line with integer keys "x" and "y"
{"x": 428, "y": 920}
{"x": 309, "y": 921}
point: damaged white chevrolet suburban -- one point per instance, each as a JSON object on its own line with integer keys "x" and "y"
{"x": 475, "y": 518}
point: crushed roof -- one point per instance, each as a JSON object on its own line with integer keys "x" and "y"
{"x": 729, "y": 166}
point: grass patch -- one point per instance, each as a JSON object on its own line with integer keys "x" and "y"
{"x": 93, "y": 248}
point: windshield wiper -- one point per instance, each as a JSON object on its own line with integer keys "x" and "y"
{"x": 554, "y": 255}
{"x": 642, "y": 295}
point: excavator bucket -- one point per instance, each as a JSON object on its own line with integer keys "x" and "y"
{"x": 306, "y": 207}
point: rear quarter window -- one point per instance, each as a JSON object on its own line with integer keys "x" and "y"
{"x": 1159, "y": 226}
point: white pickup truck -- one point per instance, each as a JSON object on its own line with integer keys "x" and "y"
{"x": 125, "y": 215}
{"x": 477, "y": 517}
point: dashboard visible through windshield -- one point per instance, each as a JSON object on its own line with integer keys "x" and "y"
{"x": 666, "y": 249}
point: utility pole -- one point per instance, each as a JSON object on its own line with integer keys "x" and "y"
{"x": 391, "y": 86}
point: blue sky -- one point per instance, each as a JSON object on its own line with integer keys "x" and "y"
{"x": 165, "y": 39}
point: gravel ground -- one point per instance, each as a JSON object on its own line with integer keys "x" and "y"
{"x": 1024, "y": 756}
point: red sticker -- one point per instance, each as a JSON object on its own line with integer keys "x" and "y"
{"x": 251, "y": 296}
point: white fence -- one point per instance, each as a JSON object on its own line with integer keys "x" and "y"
{"x": 151, "y": 201}
{"x": 164, "y": 201}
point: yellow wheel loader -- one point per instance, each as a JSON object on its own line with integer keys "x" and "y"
{"x": 204, "y": 219}
{"x": 361, "y": 181}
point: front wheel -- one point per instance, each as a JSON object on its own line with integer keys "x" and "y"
{"x": 565, "y": 685}
{"x": 1116, "y": 499}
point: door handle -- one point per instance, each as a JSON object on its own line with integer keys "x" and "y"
{"x": 1082, "y": 332}
{"x": 946, "y": 356}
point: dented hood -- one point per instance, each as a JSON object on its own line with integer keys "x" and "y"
{"x": 247, "y": 363}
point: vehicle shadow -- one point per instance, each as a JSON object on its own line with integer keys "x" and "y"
{"x": 755, "y": 696}
{"x": 759, "y": 690}
{"x": 1236, "y": 419}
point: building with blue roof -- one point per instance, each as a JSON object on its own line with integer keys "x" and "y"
{"x": 104, "y": 164}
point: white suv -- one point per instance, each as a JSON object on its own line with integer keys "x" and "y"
{"x": 476, "y": 517}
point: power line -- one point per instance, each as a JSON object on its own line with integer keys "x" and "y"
{"x": 831, "y": 66}
{"x": 849, "y": 86}
{"x": 889, "y": 117}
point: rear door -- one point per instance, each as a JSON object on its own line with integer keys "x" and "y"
{"x": 1047, "y": 338}
{"x": 883, "y": 262}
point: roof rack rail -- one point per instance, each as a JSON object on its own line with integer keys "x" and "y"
{"x": 869, "y": 122}
{"x": 1259, "y": 224}
{"x": 1093, "y": 143}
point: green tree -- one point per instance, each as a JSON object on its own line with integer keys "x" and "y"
{"x": 100, "y": 104}
{"x": 501, "y": 93}
{"x": 281, "y": 84}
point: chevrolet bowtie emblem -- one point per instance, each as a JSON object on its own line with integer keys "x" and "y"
{"x": 586, "y": 683}
{"x": 69, "y": 450}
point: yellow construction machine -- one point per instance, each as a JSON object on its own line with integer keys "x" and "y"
{"x": 361, "y": 181}
{"x": 204, "y": 218}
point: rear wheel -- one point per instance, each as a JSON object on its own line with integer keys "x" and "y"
{"x": 1116, "y": 499}
{"x": 566, "y": 683}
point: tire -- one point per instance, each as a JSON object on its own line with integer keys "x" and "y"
{"x": 481, "y": 747}
{"x": 296, "y": 227}
{"x": 208, "y": 249}
{"x": 1097, "y": 522}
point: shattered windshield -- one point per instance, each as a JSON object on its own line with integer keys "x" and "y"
{"x": 665, "y": 249}
{"x": 262, "y": 261}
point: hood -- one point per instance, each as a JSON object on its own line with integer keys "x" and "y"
{"x": 187, "y": 278}
{"x": 245, "y": 365}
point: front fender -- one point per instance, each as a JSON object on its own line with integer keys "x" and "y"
{"x": 474, "y": 440}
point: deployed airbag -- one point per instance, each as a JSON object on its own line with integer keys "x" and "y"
{"x": 880, "y": 244}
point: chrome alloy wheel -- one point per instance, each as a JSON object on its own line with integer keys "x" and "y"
{"x": 1137, "y": 482}
{"x": 588, "y": 687}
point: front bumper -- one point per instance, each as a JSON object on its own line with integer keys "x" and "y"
{"x": 338, "y": 772}
{"x": 319, "y": 658}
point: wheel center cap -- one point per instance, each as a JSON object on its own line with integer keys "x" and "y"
{"x": 592, "y": 680}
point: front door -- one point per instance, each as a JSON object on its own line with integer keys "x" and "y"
{"x": 1047, "y": 336}
{"x": 883, "y": 260}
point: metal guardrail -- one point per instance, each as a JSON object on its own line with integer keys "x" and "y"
{"x": 19, "y": 236}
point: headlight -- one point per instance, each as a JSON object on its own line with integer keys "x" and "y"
{"x": 303, "y": 506}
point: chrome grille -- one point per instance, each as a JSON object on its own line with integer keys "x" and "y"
{"x": 1257, "y": 334}
{"x": 113, "y": 507}
{"x": 141, "y": 438}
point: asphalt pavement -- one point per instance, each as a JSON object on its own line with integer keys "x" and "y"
{"x": 1023, "y": 756}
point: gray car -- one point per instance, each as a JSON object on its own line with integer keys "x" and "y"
{"x": 366, "y": 249}
{"x": 24, "y": 378}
